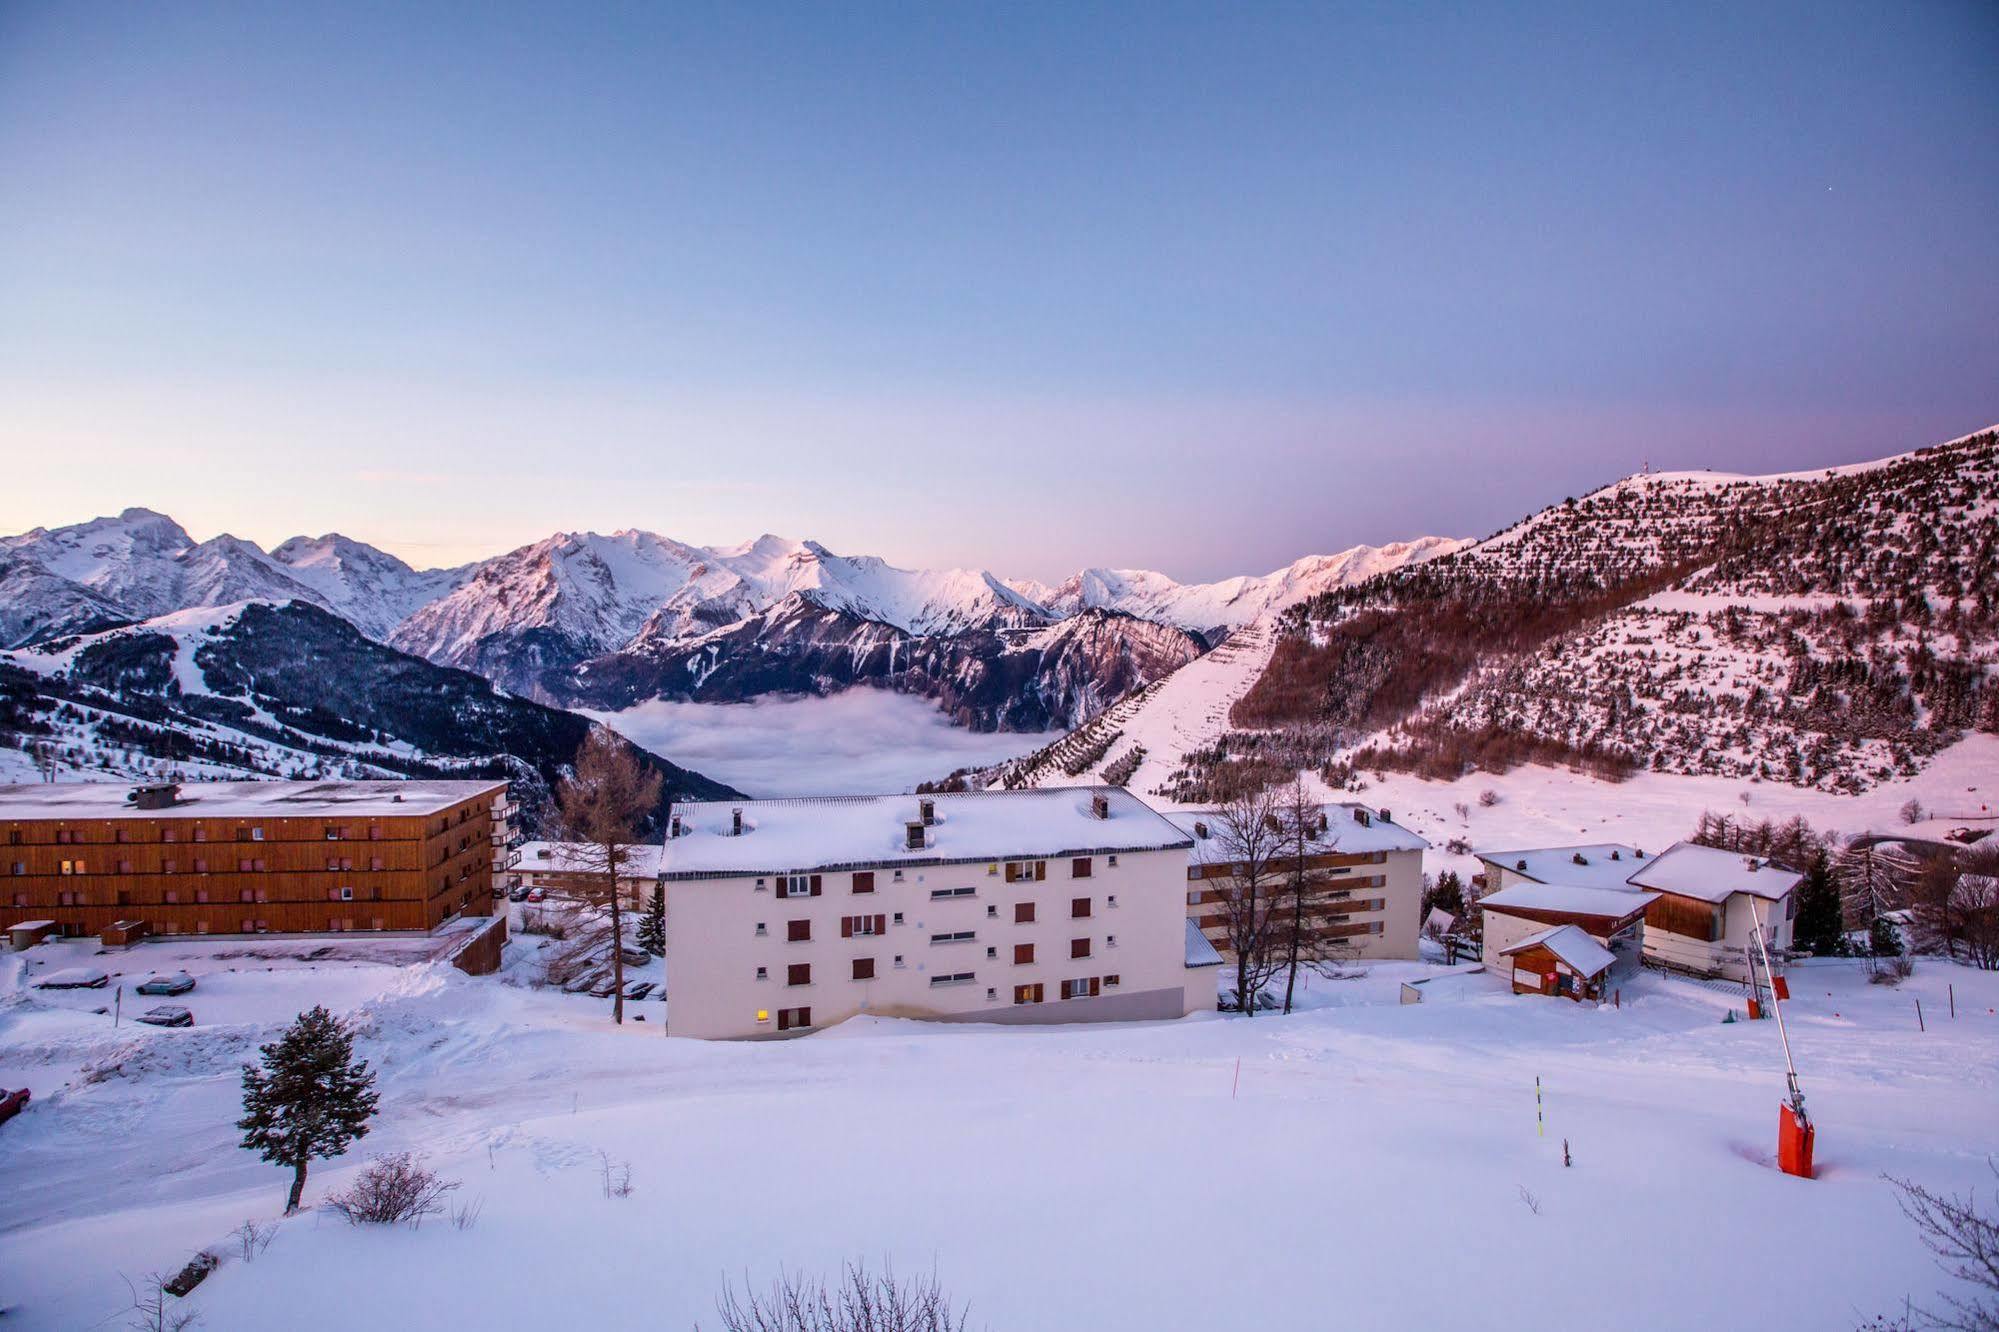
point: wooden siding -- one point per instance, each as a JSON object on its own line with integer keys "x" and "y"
{"x": 431, "y": 866}
{"x": 1685, "y": 916}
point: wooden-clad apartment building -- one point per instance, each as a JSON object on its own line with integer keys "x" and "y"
{"x": 251, "y": 857}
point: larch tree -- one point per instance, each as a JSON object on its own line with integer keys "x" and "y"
{"x": 602, "y": 807}
{"x": 310, "y": 1100}
{"x": 1873, "y": 879}
{"x": 1251, "y": 840}
{"x": 1303, "y": 831}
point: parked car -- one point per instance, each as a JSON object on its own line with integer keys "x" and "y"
{"x": 12, "y": 1103}
{"x": 74, "y": 978}
{"x": 580, "y": 983}
{"x": 604, "y": 988}
{"x": 639, "y": 989}
{"x": 535, "y": 895}
{"x": 517, "y": 893}
{"x": 167, "y": 1015}
{"x": 178, "y": 983}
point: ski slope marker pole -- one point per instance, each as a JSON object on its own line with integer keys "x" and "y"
{"x": 1540, "y": 1126}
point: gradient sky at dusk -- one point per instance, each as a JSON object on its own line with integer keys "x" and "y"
{"x": 1201, "y": 288}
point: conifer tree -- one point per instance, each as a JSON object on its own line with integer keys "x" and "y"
{"x": 311, "y": 1098}
{"x": 1817, "y": 929}
{"x": 652, "y": 926}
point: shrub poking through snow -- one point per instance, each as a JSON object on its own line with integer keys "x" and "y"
{"x": 393, "y": 1191}
{"x": 310, "y": 1099}
{"x": 151, "y": 1311}
{"x": 615, "y": 1175}
{"x": 858, "y": 1301}
{"x": 1964, "y": 1239}
{"x": 252, "y": 1238}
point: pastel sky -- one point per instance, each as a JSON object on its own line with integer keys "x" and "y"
{"x": 1199, "y": 287}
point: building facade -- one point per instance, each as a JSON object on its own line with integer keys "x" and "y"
{"x": 1043, "y": 906}
{"x": 1689, "y": 908}
{"x": 252, "y": 857}
{"x": 561, "y": 869}
{"x": 1368, "y": 871}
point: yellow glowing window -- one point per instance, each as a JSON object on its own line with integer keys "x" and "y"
{"x": 763, "y": 1015}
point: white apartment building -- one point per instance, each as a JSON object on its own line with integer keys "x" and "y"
{"x": 1061, "y": 905}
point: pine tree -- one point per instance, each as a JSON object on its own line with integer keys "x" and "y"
{"x": 1817, "y": 929}
{"x": 310, "y": 1099}
{"x": 652, "y": 926}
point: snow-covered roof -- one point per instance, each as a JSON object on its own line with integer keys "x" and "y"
{"x": 641, "y": 862}
{"x": 276, "y": 800}
{"x": 1604, "y": 864}
{"x": 1200, "y": 953}
{"x": 1572, "y": 944}
{"x": 1345, "y": 833}
{"x": 1709, "y": 874}
{"x": 1572, "y": 898}
{"x": 834, "y": 832}
{"x": 31, "y": 925}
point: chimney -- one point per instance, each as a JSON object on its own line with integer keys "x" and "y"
{"x": 1361, "y": 817}
{"x": 673, "y": 828}
{"x": 736, "y": 821}
{"x": 912, "y": 836}
{"x": 1200, "y": 829}
{"x": 928, "y": 809}
{"x": 1386, "y": 817}
{"x": 1100, "y": 806}
{"x": 155, "y": 795}
{"x": 1322, "y": 823}
{"x": 1750, "y": 863}
{"x": 1616, "y": 855}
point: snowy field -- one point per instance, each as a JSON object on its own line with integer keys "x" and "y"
{"x": 862, "y": 741}
{"x": 1372, "y": 1168}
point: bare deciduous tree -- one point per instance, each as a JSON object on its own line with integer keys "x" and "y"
{"x": 1965, "y": 1242}
{"x": 1251, "y": 841}
{"x": 1954, "y": 907}
{"x": 603, "y": 807}
{"x": 1873, "y": 879}
{"x": 1303, "y": 890}
{"x": 393, "y": 1190}
{"x": 859, "y": 1301}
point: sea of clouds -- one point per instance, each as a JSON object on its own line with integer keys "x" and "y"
{"x": 863, "y": 741}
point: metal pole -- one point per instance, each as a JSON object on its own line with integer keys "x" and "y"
{"x": 1790, "y": 1068}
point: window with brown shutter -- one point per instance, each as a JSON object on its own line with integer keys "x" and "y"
{"x": 864, "y": 881}
{"x": 798, "y": 973}
{"x": 815, "y": 885}
{"x": 1079, "y": 868}
{"x": 1027, "y": 994}
{"x": 1023, "y": 954}
{"x": 798, "y": 931}
{"x": 864, "y": 968}
{"x": 1079, "y": 907}
{"x": 1079, "y": 948}
{"x": 1023, "y": 913}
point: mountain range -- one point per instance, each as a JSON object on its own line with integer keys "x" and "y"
{"x": 582, "y": 618}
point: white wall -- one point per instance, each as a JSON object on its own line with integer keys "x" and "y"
{"x": 713, "y": 950}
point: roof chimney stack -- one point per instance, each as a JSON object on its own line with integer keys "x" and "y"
{"x": 1100, "y": 806}
{"x": 736, "y": 821}
{"x": 155, "y": 795}
{"x": 928, "y": 809}
{"x": 912, "y": 836}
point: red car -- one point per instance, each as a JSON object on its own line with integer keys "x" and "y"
{"x": 12, "y": 1103}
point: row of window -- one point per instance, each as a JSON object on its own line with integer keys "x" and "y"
{"x": 800, "y": 973}
{"x": 1081, "y": 987}
{"x": 863, "y": 881}
{"x": 800, "y": 931}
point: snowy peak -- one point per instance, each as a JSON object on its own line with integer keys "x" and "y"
{"x": 1233, "y": 602}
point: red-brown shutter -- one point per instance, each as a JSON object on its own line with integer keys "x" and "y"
{"x": 1079, "y": 948}
{"x": 1079, "y": 868}
{"x": 864, "y": 881}
{"x": 798, "y": 973}
{"x": 815, "y": 885}
{"x": 1023, "y": 913}
{"x": 798, "y": 931}
{"x": 1023, "y": 954}
{"x": 1093, "y": 987}
{"x": 1040, "y": 870}
{"x": 881, "y": 924}
{"x": 846, "y": 927}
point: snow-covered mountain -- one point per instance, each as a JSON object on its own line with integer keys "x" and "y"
{"x": 141, "y": 564}
{"x": 586, "y": 618}
{"x": 1213, "y": 608}
{"x": 287, "y": 690}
